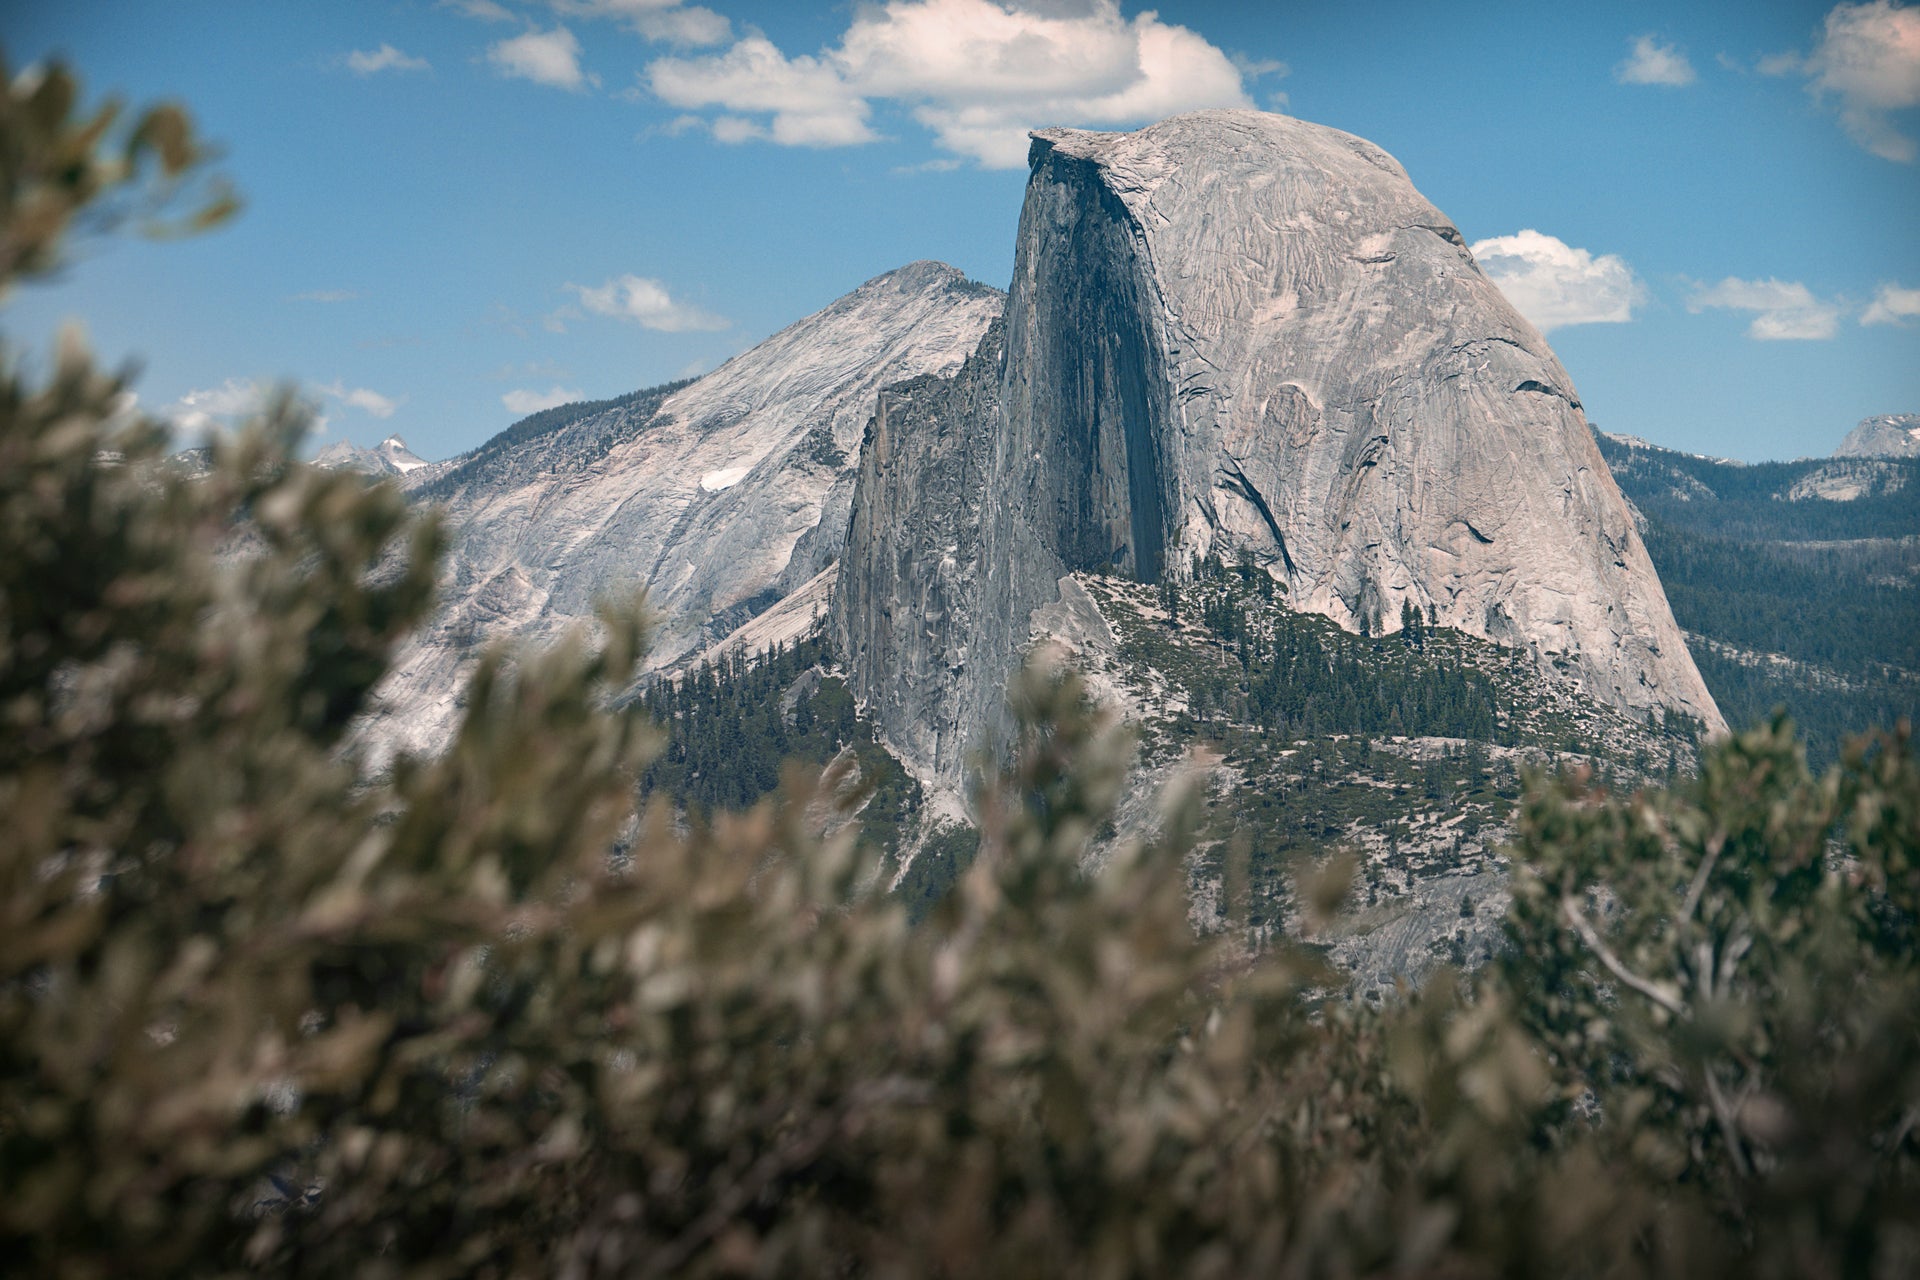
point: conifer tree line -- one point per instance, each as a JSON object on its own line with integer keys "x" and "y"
{"x": 486, "y": 1014}
{"x": 1301, "y": 677}
{"x": 733, "y": 725}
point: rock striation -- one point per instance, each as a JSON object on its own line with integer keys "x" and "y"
{"x": 721, "y": 497}
{"x": 1891, "y": 435}
{"x": 1234, "y": 330}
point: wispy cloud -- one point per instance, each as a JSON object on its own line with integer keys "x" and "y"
{"x": 326, "y": 295}
{"x": 977, "y": 73}
{"x": 367, "y": 62}
{"x": 647, "y": 303}
{"x": 1868, "y": 61}
{"x": 1651, "y": 62}
{"x": 479, "y": 10}
{"x": 364, "y": 399}
{"x": 523, "y": 401}
{"x": 1893, "y": 304}
{"x": 1782, "y": 310}
{"x": 544, "y": 57}
{"x": 668, "y": 21}
{"x": 1553, "y": 284}
{"x": 207, "y": 411}
{"x": 513, "y": 371}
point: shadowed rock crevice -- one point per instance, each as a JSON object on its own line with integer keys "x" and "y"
{"x": 1097, "y": 385}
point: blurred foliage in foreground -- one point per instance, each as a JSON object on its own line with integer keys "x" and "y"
{"x": 484, "y": 1018}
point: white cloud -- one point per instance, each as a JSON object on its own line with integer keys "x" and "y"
{"x": 647, "y": 303}
{"x": 978, "y": 73}
{"x": 1782, "y": 310}
{"x": 524, "y": 401}
{"x": 1868, "y": 59}
{"x": 480, "y": 10}
{"x": 1654, "y": 63}
{"x": 544, "y": 57}
{"x": 1892, "y": 305}
{"x": 664, "y": 20}
{"x": 327, "y": 295}
{"x": 1553, "y": 284}
{"x": 366, "y": 62}
{"x": 810, "y": 103}
{"x": 362, "y": 398}
{"x": 207, "y": 411}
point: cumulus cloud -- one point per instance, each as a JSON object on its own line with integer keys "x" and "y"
{"x": 1651, "y": 62}
{"x": 664, "y": 20}
{"x": 1782, "y": 310}
{"x": 1892, "y": 305}
{"x": 524, "y": 401}
{"x": 1553, "y": 284}
{"x": 364, "y": 399}
{"x": 809, "y": 101}
{"x": 977, "y": 73}
{"x": 1868, "y": 62}
{"x": 544, "y": 57}
{"x": 366, "y": 62}
{"x": 646, "y": 303}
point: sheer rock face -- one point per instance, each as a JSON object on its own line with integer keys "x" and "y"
{"x": 1891, "y": 435}
{"x": 720, "y": 498}
{"x": 1237, "y": 330}
{"x": 905, "y": 609}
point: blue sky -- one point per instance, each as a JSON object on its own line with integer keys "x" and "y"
{"x": 460, "y": 211}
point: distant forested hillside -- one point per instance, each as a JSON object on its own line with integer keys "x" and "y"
{"x": 1795, "y": 599}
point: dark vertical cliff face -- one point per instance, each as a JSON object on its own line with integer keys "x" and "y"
{"x": 1089, "y": 387}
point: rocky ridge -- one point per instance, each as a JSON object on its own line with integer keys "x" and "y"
{"x": 720, "y": 497}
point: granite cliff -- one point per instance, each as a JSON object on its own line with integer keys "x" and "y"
{"x": 1238, "y": 331}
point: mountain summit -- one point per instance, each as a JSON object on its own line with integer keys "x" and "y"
{"x": 1891, "y": 435}
{"x": 390, "y": 457}
{"x": 1234, "y": 332}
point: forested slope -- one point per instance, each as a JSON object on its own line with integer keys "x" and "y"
{"x": 1791, "y": 598}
